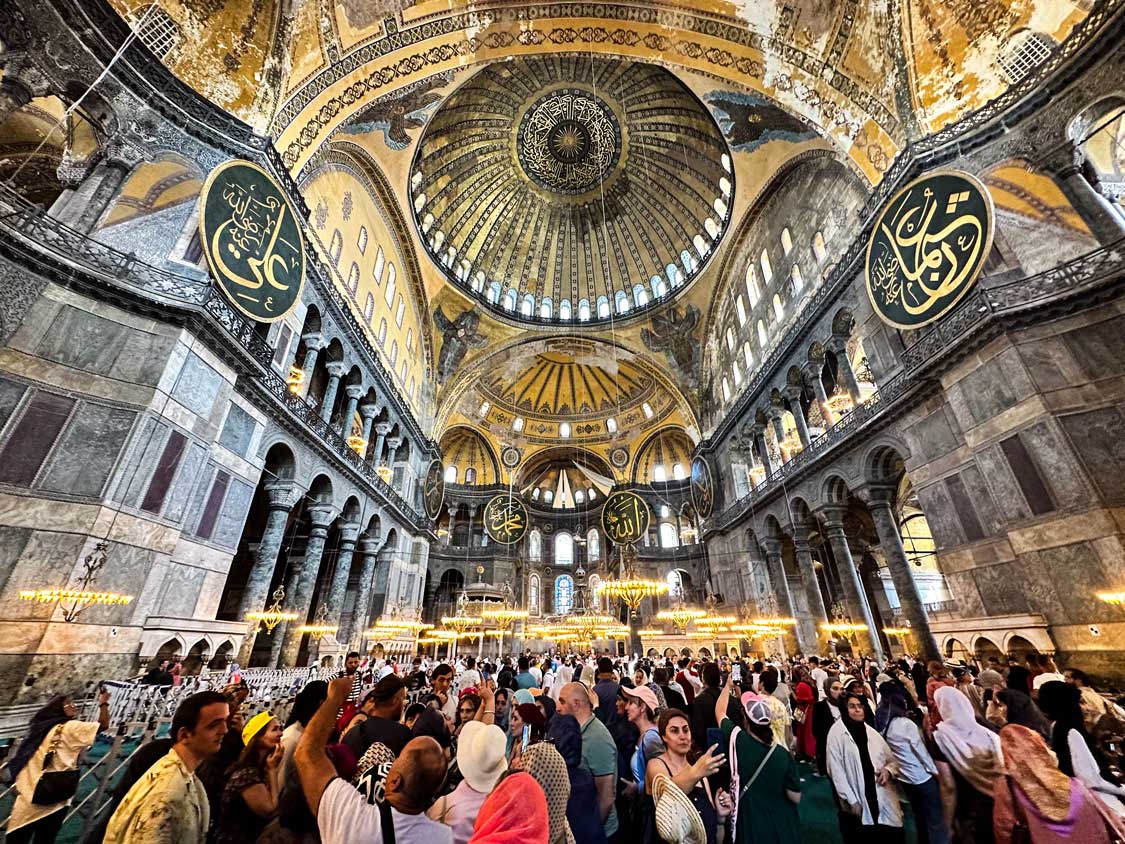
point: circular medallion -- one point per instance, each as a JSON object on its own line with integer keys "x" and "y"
{"x": 252, "y": 240}
{"x": 510, "y": 457}
{"x": 569, "y": 141}
{"x": 625, "y": 517}
{"x": 702, "y": 488}
{"x": 433, "y": 489}
{"x": 927, "y": 248}
{"x": 505, "y": 519}
{"x": 619, "y": 457}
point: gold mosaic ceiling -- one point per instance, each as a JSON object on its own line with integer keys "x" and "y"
{"x": 570, "y": 188}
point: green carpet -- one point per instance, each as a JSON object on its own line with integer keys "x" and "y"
{"x": 818, "y": 810}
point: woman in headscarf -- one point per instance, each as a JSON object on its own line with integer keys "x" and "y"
{"x": 514, "y": 813}
{"x": 859, "y": 688}
{"x": 1037, "y": 797}
{"x": 971, "y": 755}
{"x": 1019, "y": 678}
{"x": 564, "y": 675}
{"x": 586, "y": 825}
{"x": 481, "y": 761}
{"x": 547, "y": 707}
{"x": 547, "y": 767}
{"x": 53, "y": 730}
{"x": 917, "y": 771}
{"x": 1011, "y": 706}
{"x": 863, "y": 770}
{"x": 825, "y": 714}
{"x": 939, "y": 678}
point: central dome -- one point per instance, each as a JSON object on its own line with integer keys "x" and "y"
{"x": 571, "y": 189}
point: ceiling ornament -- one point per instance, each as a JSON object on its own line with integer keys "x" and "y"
{"x": 569, "y": 141}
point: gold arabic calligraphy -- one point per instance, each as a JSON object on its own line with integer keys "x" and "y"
{"x": 505, "y": 521}
{"x": 919, "y": 263}
{"x": 625, "y": 518}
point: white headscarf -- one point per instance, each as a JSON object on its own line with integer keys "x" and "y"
{"x": 563, "y": 676}
{"x": 970, "y": 748}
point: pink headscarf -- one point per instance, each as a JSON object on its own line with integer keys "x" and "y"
{"x": 514, "y": 813}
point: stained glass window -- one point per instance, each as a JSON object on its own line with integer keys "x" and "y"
{"x": 564, "y": 594}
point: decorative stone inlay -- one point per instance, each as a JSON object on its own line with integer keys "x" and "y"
{"x": 569, "y": 141}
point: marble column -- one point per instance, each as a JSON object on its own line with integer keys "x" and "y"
{"x": 910, "y": 601}
{"x": 844, "y": 372}
{"x": 337, "y": 592}
{"x": 451, "y": 510}
{"x": 304, "y": 580}
{"x": 336, "y": 370}
{"x": 367, "y": 412}
{"x": 381, "y": 431}
{"x": 1097, "y": 212}
{"x": 282, "y": 496}
{"x": 392, "y": 446}
{"x": 779, "y": 583}
{"x": 369, "y": 555}
{"x": 94, "y": 195}
{"x": 778, "y": 431}
{"x": 314, "y": 342}
{"x": 355, "y": 393}
{"x": 812, "y": 373}
{"x": 798, "y": 411}
{"x": 854, "y": 596}
{"x": 807, "y": 569}
{"x": 759, "y": 433}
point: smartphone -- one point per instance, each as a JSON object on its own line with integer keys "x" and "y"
{"x": 736, "y": 673}
{"x": 526, "y": 738}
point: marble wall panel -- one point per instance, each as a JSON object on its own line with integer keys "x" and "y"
{"x": 46, "y": 559}
{"x": 1050, "y": 363}
{"x": 180, "y": 591}
{"x": 963, "y": 587}
{"x": 1006, "y": 492}
{"x": 932, "y": 437}
{"x": 1098, "y": 437}
{"x": 12, "y": 542}
{"x": 999, "y": 588}
{"x": 73, "y": 673}
{"x": 990, "y": 516}
{"x": 238, "y": 430}
{"x": 137, "y": 468}
{"x": 1073, "y": 574}
{"x": 83, "y": 341}
{"x": 1057, "y": 465}
{"x": 143, "y": 358}
{"x": 197, "y": 386}
{"x": 81, "y": 463}
{"x": 941, "y": 515}
{"x": 10, "y": 394}
{"x": 228, "y": 528}
{"x": 1097, "y": 348}
{"x": 186, "y": 480}
{"x": 996, "y": 385}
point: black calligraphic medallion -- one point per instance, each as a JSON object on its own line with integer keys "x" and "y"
{"x": 433, "y": 489}
{"x": 702, "y": 488}
{"x": 505, "y": 519}
{"x": 625, "y": 517}
{"x": 252, "y": 240}
{"x": 928, "y": 246}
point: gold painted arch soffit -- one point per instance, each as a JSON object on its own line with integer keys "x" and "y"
{"x": 802, "y": 76}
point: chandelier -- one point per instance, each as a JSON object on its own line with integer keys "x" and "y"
{"x": 840, "y": 404}
{"x": 83, "y": 597}
{"x": 654, "y": 631}
{"x": 356, "y": 443}
{"x": 460, "y": 623}
{"x": 272, "y": 615}
{"x": 1112, "y": 597}
{"x": 585, "y": 626}
{"x": 295, "y": 380}
{"x": 320, "y": 625}
{"x": 631, "y": 588}
{"x": 681, "y": 616}
{"x": 842, "y": 627}
{"x": 901, "y": 632}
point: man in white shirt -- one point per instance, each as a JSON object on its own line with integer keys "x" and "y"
{"x": 819, "y": 675}
{"x": 470, "y": 677}
{"x": 343, "y": 815}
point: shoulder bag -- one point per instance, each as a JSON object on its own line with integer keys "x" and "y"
{"x": 54, "y": 786}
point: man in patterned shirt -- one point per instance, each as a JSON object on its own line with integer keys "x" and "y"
{"x": 351, "y": 669}
{"x": 168, "y": 804}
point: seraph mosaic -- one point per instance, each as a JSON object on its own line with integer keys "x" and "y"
{"x": 400, "y": 113}
{"x": 750, "y": 121}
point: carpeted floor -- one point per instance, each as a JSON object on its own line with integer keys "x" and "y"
{"x": 818, "y": 811}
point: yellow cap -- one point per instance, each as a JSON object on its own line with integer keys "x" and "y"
{"x": 255, "y": 725}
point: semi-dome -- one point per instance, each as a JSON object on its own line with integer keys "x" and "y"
{"x": 570, "y": 189}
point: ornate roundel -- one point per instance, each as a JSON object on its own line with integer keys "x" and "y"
{"x": 702, "y": 488}
{"x": 510, "y": 457}
{"x": 433, "y": 489}
{"x": 569, "y": 141}
{"x": 505, "y": 519}
{"x": 619, "y": 457}
{"x": 625, "y": 517}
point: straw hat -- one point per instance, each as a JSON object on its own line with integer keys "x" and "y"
{"x": 480, "y": 755}
{"x": 677, "y": 819}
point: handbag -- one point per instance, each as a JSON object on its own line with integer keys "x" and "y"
{"x": 54, "y": 786}
{"x": 1021, "y": 832}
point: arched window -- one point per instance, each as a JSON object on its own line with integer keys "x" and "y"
{"x": 778, "y": 308}
{"x": 382, "y": 331}
{"x": 517, "y": 424}
{"x": 688, "y": 260}
{"x": 675, "y": 585}
{"x": 767, "y": 267}
{"x": 668, "y": 536}
{"x": 820, "y": 251}
{"x": 451, "y": 474}
{"x": 584, "y": 310}
{"x": 740, "y": 307}
{"x": 535, "y": 546}
{"x": 621, "y": 301}
{"x": 336, "y": 247}
{"x": 659, "y": 474}
{"x": 362, "y": 242}
{"x": 726, "y": 389}
{"x": 579, "y": 496}
{"x": 675, "y": 277}
{"x": 400, "y": 310}
{"x": 647, "y": 408}
{"x": 603, "y": 307}
{"x": 730, "y": 339}
{"x": 593, "y": 543}
{"x": 389, "y": 293}
{"x": 640, "y": 295}
{"x": 494, "y": 292}
{"x": 155, "y": 29}
{"x": 678, "y": 471}
{"x": 510, "y": 300}
{"x": 611, "y": 425}
{"x": 1024, "y": 51}
{"x": 377, "y": 270}
{"x": 437, "y": 240}
{"x": 701, "y": 245}
{"x": 533, "y": 594}
{"x": 410, "y": 339}
{"x": 564, "y": 594}
{"x": 724, "y": 185}
{"x": 369, "y": 308}
{"x": 546, "y": 308}
{"x": 419, "y": 200}
{"x": 394, "y": 352}
{"x": 564, "y": 310}
{"x": 470, "y": 475}
{"x": 564, "y": 430}
{"x": 763, "y": 338}
{"x": 752, "y": 290}
{"x": 786, "y": 240}
{"x": 798, "y": 281}
{"x": 748, "y": 355}
{"x": 427, "y": 223}
{"x": 736, "y": 370}
{"x": 527, "y": 307}
{"x": 596, "y": 599}
{"x": 478, "y": 281}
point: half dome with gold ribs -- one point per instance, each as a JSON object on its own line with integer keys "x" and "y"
{"x": 570, "y": 189}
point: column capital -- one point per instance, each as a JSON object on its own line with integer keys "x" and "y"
{"x": 355, "y": 391}
{"x": 878, "y": 496}
{"x": 369, "y": 410}
{"x": 770, "y": 546}
{"x": 836, "y": 343}
{"x": 314, "y": 340}
{"x": 1064, "y": 160}
{"x": 832, "y": 516}
{"x": 811, "y": 369}
{"x": 349, "y": 533}
{"x": 800, "y": 543}
{"x": 775, "y": 411}
{"x": 792, "y": 391}
{"x": 757, "y": 429}
{"x": 321, "y": 515}
{"x": 283, "y": 494}
{"x": 336, "y": 368}
{"x": 394, "y": 442}
{"x": 383, "y": 428}
{"x": 451, "y": 509}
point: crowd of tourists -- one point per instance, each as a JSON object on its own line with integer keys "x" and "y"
{"x": 560, "y": 749}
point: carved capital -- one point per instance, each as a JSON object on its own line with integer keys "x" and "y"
{"x": 314, "y": 340}
{"x": 336, "y": 368}
{"x": 369, "y": 411}
{"x": 282, "y": 494}
{"x": 383, "y": 428}
{"x": 355, "y": 391}
{"x": 321, "y": 515}
{"x": 349, "y": 534}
